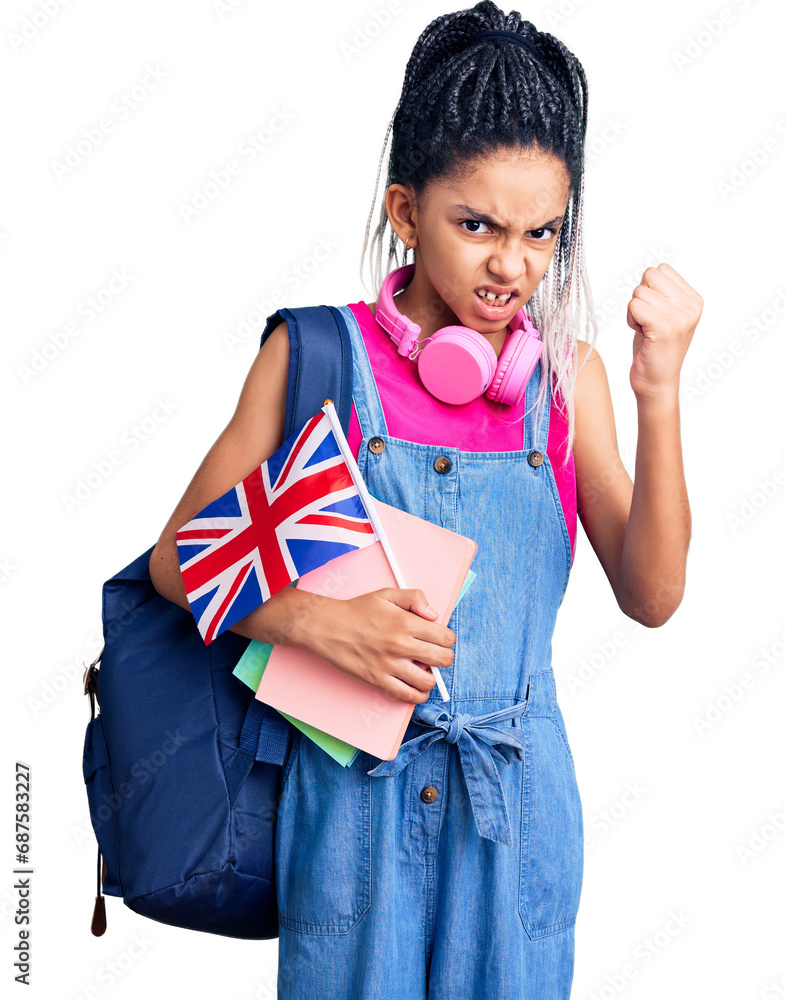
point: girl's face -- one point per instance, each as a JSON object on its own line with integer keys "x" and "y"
{"x": 492, "y": 231}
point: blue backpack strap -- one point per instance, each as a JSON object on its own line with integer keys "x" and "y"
{"x": 264, "y": 737}
{"x": 320, "y": 363}
{"x": 320, "y": 367}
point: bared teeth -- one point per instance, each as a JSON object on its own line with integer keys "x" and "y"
{"x": 494, "y": 299}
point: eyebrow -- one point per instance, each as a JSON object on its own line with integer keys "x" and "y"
{"x": 482, "y": 217}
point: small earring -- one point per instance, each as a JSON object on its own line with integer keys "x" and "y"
{"x": 406, "y": 244}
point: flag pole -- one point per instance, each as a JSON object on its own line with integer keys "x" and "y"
{"x": 369, "y": 505}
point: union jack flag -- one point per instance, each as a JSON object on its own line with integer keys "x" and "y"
{"x": 296, "y": 511}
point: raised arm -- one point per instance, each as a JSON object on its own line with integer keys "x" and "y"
{"x": 639, "y": 532}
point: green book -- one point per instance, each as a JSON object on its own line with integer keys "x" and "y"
{"x": 251, "y": 666}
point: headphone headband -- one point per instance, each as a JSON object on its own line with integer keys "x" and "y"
{"x": 403, "y": 331}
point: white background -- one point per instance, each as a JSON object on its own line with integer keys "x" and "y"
{"x": 680, "y": 94}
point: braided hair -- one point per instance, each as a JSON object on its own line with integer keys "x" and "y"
{"x": 462, "y": 99}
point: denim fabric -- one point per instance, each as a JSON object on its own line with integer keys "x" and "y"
{"x": 383, "y": 895}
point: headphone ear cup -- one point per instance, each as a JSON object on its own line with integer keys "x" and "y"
{"x": 517, "y": 361}
{"x": 457, "y": 365}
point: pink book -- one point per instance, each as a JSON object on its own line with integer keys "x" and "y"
{"x": 308, "y": 687}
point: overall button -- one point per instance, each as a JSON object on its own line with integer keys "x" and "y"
{"x": 376, "y": 444}
{"x": 429, "y": 794}
{"x": 535, "y": 458}
{"x": 442, "y": 464}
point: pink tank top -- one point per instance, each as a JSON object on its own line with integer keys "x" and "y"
{"x": 413, "y": 414}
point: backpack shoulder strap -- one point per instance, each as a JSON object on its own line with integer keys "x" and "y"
{"x": 320, "y": 367}
{"x": 320, "y": 363}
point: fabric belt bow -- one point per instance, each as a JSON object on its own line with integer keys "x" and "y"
{"x": 480, "y": 744}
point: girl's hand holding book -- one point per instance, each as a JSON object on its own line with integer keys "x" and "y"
{"x": 379, "y": 636}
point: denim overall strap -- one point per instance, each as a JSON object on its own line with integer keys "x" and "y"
{"x": 366, "y": 396}
{"x": 540, "y": 438}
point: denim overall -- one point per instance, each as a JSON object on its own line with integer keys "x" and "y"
{"x": 455, "y": 870}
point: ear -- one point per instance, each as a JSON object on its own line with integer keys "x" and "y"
{"x": 400, "y": 205}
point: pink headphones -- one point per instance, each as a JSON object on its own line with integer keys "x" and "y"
{"x": 457, "y": 364}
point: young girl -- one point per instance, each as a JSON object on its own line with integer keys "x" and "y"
{"x": 455, "y": 870}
